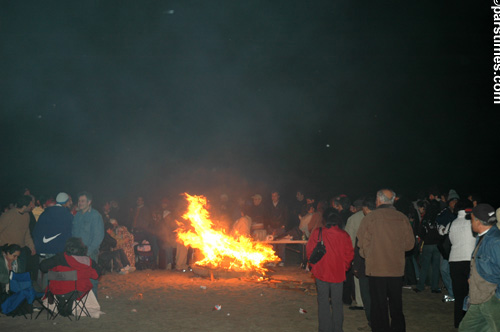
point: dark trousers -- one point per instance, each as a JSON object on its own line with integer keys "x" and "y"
{"x": 410, "y": 277}
{"x": 430, "y": 258}
{"x": 364, "y": 289}
{"x": 118, "y": 258}
{"x": 330, "y": 309}
{"x": 279, "y": 248}
{"x": 348, "y": 291}
{"x": 386, "y": 298}
{"x": 459, "y": 272}
{"x": 22, "y": 260}
{"x": 32, "y": 265}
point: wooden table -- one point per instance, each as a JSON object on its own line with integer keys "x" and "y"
{"x": 303, "y": 242}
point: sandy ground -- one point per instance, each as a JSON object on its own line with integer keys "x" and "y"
{"x": 173, "y": 301}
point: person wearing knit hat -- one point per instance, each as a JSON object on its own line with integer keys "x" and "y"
{"x": 484, "y": 281}
{"x": 448, "y": 214}
{"x": 452, "y": 195}
{"x": 53, "y": 227}
{"x": 62, "y": 198}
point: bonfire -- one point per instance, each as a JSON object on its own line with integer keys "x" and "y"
{"x": 219, "y": 249}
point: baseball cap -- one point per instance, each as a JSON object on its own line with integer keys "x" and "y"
{"x": 484, "y": 212}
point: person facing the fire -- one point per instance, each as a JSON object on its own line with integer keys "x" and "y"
{"x": 257, "y": 211}
{"x": 330, "y": 270}
{"x": 277, "y": 221}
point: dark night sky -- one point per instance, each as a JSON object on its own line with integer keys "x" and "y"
{"x": 153, "y": 97}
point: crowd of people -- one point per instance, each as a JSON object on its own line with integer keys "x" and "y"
{"x": 397, "y": 244}
{"x": 376, "y": 245}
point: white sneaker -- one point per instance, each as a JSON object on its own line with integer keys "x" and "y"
{"x": 448, "y": 298}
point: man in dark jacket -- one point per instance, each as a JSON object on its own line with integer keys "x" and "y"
{"x": 257, "y": 211}
{"x": 278, "y": 220}
{"x": 430, "y": 255}
{"x": 53, "y": 228}
{"x": 278, "y": 215}
{"x": 443, "y": 219}
{"x": 298, "y": 207}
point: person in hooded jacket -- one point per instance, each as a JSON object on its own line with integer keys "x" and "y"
{"x": 74, "y": 257}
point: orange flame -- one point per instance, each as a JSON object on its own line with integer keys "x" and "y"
{"x": 219, "y": 249}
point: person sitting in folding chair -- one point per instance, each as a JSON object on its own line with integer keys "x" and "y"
{"x": 73, "y": 259}
{"x": 16, "y": 289}
{"x": 8, "y": 262}
{"x": 110, "y": 257}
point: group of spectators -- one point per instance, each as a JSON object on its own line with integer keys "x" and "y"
{"x": 44, "y": 238}
{"x": 398, "y": 243}
{"x": 381, "y": 245}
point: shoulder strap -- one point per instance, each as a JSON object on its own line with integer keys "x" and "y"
{"x": 447, "y": 228}
{"x": 320, "y": 236}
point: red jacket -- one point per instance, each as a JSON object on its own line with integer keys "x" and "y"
{"x": 85, "y": 272}
{"x": 339, "y": 254}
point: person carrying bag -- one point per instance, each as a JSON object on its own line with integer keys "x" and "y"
{"x": 319, "y": 251}
{"x": 330, "y": 254}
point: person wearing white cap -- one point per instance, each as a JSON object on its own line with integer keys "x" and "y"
{"x": 484, "y": 293}
{"x": 53, "y": 227}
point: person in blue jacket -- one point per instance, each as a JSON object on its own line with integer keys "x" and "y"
{"x": 88, "y": 225}
{"x": 484, "y": 293}
{"x": 53, "y": 228}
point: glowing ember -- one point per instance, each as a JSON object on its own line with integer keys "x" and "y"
{"x": 219, "y": 249}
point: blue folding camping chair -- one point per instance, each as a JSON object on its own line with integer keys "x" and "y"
{"x": 21, "y": 295}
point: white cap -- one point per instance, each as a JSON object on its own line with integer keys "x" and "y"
{"x": 62, "y": 198}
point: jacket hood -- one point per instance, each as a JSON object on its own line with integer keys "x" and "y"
{"x": 78, "y": 262}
